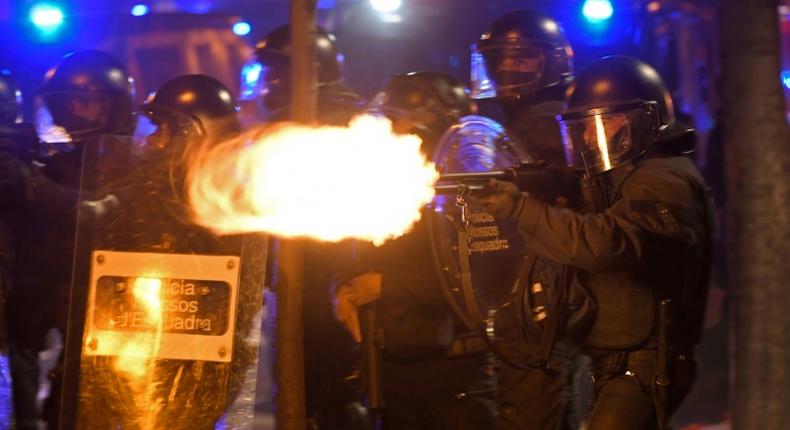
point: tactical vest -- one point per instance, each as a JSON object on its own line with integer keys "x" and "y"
{"x": 627, "y": 307}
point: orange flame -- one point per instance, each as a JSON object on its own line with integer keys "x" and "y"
{"x": 326, "y": 183}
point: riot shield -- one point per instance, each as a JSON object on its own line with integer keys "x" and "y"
{"x": 6, "y": 405}
{"x": 480, "y": 256}
{"x": 163, "y": 320}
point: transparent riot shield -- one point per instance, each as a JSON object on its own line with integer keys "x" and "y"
{"x": 164, "y": 317}
{"x": 6, "y": 405}
{"x": 470, "y": 244}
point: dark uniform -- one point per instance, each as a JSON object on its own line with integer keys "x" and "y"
{"x": 427, "y": 385}
{"x": 643, "y": 237}
{"x": 330, "y": 353}
{"x": 430, "y": 382}
{"x": 87, "y": 95}
{"x": 528, "y": 62}
{"x": 14, "y": 148}
{"x": 186, "y": 114}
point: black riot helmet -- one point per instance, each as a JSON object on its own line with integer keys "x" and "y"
{"x": 185, "y": 110}
{"x": 424, "y": 103}
{"x": 10, "y": 100}
{"x": 614, "y": 111}
{"x": 523, "y": 52}
{"x": 88, "y": 93}
{"x": 268, "y": 75}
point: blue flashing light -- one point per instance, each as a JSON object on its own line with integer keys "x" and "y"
{"x": 251, "y": 80}
{"x": 326, "y": 4}
{"x": 596, "y": 11}
{"x": 242, "y": 28}
{"x": 252, "y": 73}
{"x": 786, "y": 79}
{"x": 46, "y": 17}
{"x": 140, "y": 9}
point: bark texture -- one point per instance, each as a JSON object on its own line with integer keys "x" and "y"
{"x": 757, "y": 142}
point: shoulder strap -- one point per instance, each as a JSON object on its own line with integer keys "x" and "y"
{"x": 556, "y": 320}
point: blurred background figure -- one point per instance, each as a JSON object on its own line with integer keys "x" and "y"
{"x": 266, "y": 79}
{"x": 425, "y": 104}
{"x": 330, "y": 354}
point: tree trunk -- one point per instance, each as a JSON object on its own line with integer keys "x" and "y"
{"x": 757, "y": 144}
{"x": 290, "y": 330}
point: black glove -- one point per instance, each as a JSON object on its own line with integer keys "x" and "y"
{"x": 96, "y": 210}
{"x": 499, "y": 198}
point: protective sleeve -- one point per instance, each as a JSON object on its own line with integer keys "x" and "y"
{"x": 412, "y": 311}
{"x": 49, "y": 197}
{"x": 657, "y": 201}
{"x": 414, "y": 325}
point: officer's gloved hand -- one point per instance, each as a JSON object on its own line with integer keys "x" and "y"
{"x": 499, "y": 198}
{"x": 360, "y": 291}
{"x": 101, "y": 209}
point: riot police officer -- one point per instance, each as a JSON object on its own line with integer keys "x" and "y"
{"x": 197, "y": 99}
{"x": 524, "y": 64}
{"x": 87, "y": 95}
{"x": 185, "y": 115}
{"x": 267, "y": 79}
{"x": 641, "y": 244}
{"x": 425, "y": 104}
{"x": 430, "y": 381}
{"x": 329, "y": 350}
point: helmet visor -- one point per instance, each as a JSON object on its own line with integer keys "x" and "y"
{"x": 410, "y": 114}
{"x": 481, "y": 83}
{"x": 150, "y": 132}
{"x": 80, "y": 113}
{"x": 54, "y": 138}
{"x": 160, "y": 129}
{"x": 514, "y": 67}
{"x": 597, "y": 142}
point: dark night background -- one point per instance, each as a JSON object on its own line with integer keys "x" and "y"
{"x": 678, "y": 37}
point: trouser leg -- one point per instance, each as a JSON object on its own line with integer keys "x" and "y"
{"x": 530, "y": 399}
{"x": 622, "y": 403}
{"x": 24, "y": 380}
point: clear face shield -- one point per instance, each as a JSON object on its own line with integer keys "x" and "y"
{"x": 264, "y": 88}
{"x": 506, "y": 69}
{"x": 79, "y": 113}
{"x": 54, "y": 138}
{"x": 159, "y": 131}
{"x": 598, "y": 140}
